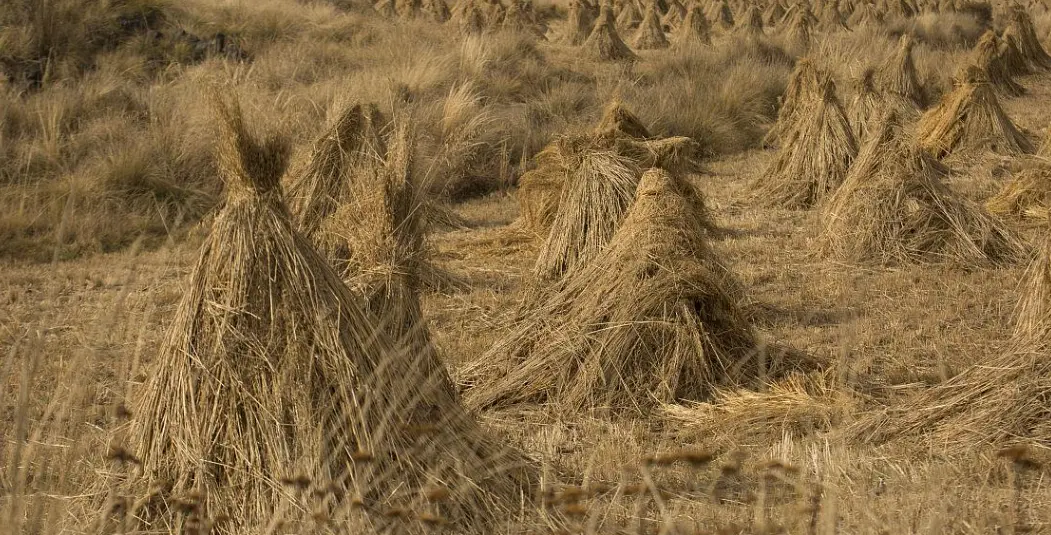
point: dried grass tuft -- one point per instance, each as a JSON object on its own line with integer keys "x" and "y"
{"x": 866, "y": 106}
{"x": 653, "y": 318}
{"x": 893, "y": 208}
{"x": 805, "y": 80}
{"x": 814, "y": 156}
{"x": 272, "y": 367}
{"x": 970, "y": 119}
{"x": 1032, "y": 323}
{"x": 617, "y": 120}
{"x": 987, "y": 57}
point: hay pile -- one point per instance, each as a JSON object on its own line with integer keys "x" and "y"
{"x": 774, "y": 14}
{"x": 652, "y": 319}
{"x": 1028, "y": 42}
{"x": 970, "y": 119}
{"x": 472, "y": 21}
{"x": 893, "y": 208}
{"x": 578, "y": 24}
{"x": 630, "y": 17}
{"x": 695, "y": 29}
{"x": 1014, "y": 62}
{"x": 650, "y": 35}
{"x": 675, "y": 15}
{"x": 987, "y": 56}
{"x": 721, "y": 15}
{"x": 272, "y": 371}
{"x": 815, "y": 155}
{"x": 805, "y": 80}
{"x": 866, "y": 15}
{"x": 1026, "y": 195}
{"x": 591, "y": 206}
{"x": 866, "y": 105}
{"x": 604, "y": 43}
{"x": 797, "y": 406}
{"x": 897, "y": 76}
{"x": 798, "y": 30}
{"x": 1033, "y": 313}
{"x": 520, "y": 17}
{"x": 752, "y": 26}
{"x": 619, "y": 132}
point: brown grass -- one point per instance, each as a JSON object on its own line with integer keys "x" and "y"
{"x": 604, "y": 43}
{"x": 650, "y": 34}
{"x": 988, "y": 57}
{"x": 897, "y": 76}
{"x": 1026, "y": 195}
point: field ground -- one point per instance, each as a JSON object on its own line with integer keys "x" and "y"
{"x": 76, "y": 336}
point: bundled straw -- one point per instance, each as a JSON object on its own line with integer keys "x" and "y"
{"x": 722, "y": 15}
{"x": 1027, "y": 194}
{"x": 805, "y": 80}
{"x": 675, "y": 15}
{"x": 797, "y": 406}
{"x": 970, "y": 119}
{"x": 753, "y": 23}
{"x": 1033, "y": 313}
{"x": 272, "y": 371}
{"x": 897, "y": 76}
{"x": 630, "y": 17}
{"x": 1028, "y": 42}
{"x": 650, "y": 35}
{"x": 592, "y": 205}
{"x": 893, "y": 207}
{"x": 987, "y": 57}
{"x": 1014, "y": 62}
{"x": 695, "y": 28}
{"x": 815, "y": 155}
{"x": 651, "y": 319}
{"x": 774, "y": 14}
{"x": 604, "y": 43}
{"x": 867, "y": 104}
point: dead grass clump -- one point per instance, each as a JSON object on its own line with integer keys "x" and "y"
{"x": 1026, "y": 195}
{"x": 578, "y": 24}
{"x": 798, "y": 30}
{"x": 1033, "y": 312}
{"x": 988, "y": 58}
{"x": 674, "y": 16}
{"x": 815, "y": 155}
{"x": 653, "y": 318}
{"x": 721, "y": 15}
{"x": 893, "y": 208}
{"x": 797, "y": 406}
{"x": 970, "y": 119}
{"x": 897, "y": 76}
{"x": 695, "y": 29}
{"x": 604, "y": 43}
{"x": 271, "y": 369}
{"x": 752, "y": 25}
{"x": 774, "y": 14}
{"x": 520, "y": 17}
{"x": 630, "y": 17}
{"x": 618, "y": 120}
{"x": 1014, "y": 62}
{"x": 650, "y": 35}
{"x": 864, "y": 15}
{"x": 591, "y": 206}
{"x": 472, "y": 21}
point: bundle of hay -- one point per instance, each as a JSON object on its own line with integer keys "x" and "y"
{"x": 753, "y": 23}
{"x": 804, "y": 80}
{"x": 695, "y": 29}
{"x": 408, "y": 9}
{"x": 867, "y": 104}
{"x": 472, "y": 21}
{"x": 619, "y": 132}
{"x": 649, "y": 320}
{"x": 604, "y": 43}
{"x": 339, "y": 173}
{"x": 798, "y": 29}
{"x": 970, "y": 119}
{"x": 630, "y": 17}
{"x": 722, "y": 15}
{"x": 519, "y": 17}
{"x": 866, "y": 15}
{"x": 831, "y": 18}
{"x": 1011, "y": 56}
{"x": 591, "y": 206}
{"x": 436, "y": 10}
{"x": 494, "y": 11}
{"x": 797, "y": 406}
{"x": 774, "y": 14}
{"x": 1028, "y": 42}
{"x": 986, "y": 56}
{"x": 578, "y": 24}
{"x": 815, "y": 156}
{"x": 675, "y": 15}
{"x": 1027, "y": 195}
{"x": 897, "y": 76}
{"x": 650, "y": 35}
{"x": 386, "y": 8}
{"x": 894, "y": 207}
{"x": 272, "y": 371}
{"x": 1033, "y": 312}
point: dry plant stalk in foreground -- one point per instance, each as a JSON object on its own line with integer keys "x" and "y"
{"x": 653, "y": 318}
{"x": 272, "y": 372}
{"x": 894, "y": 207}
